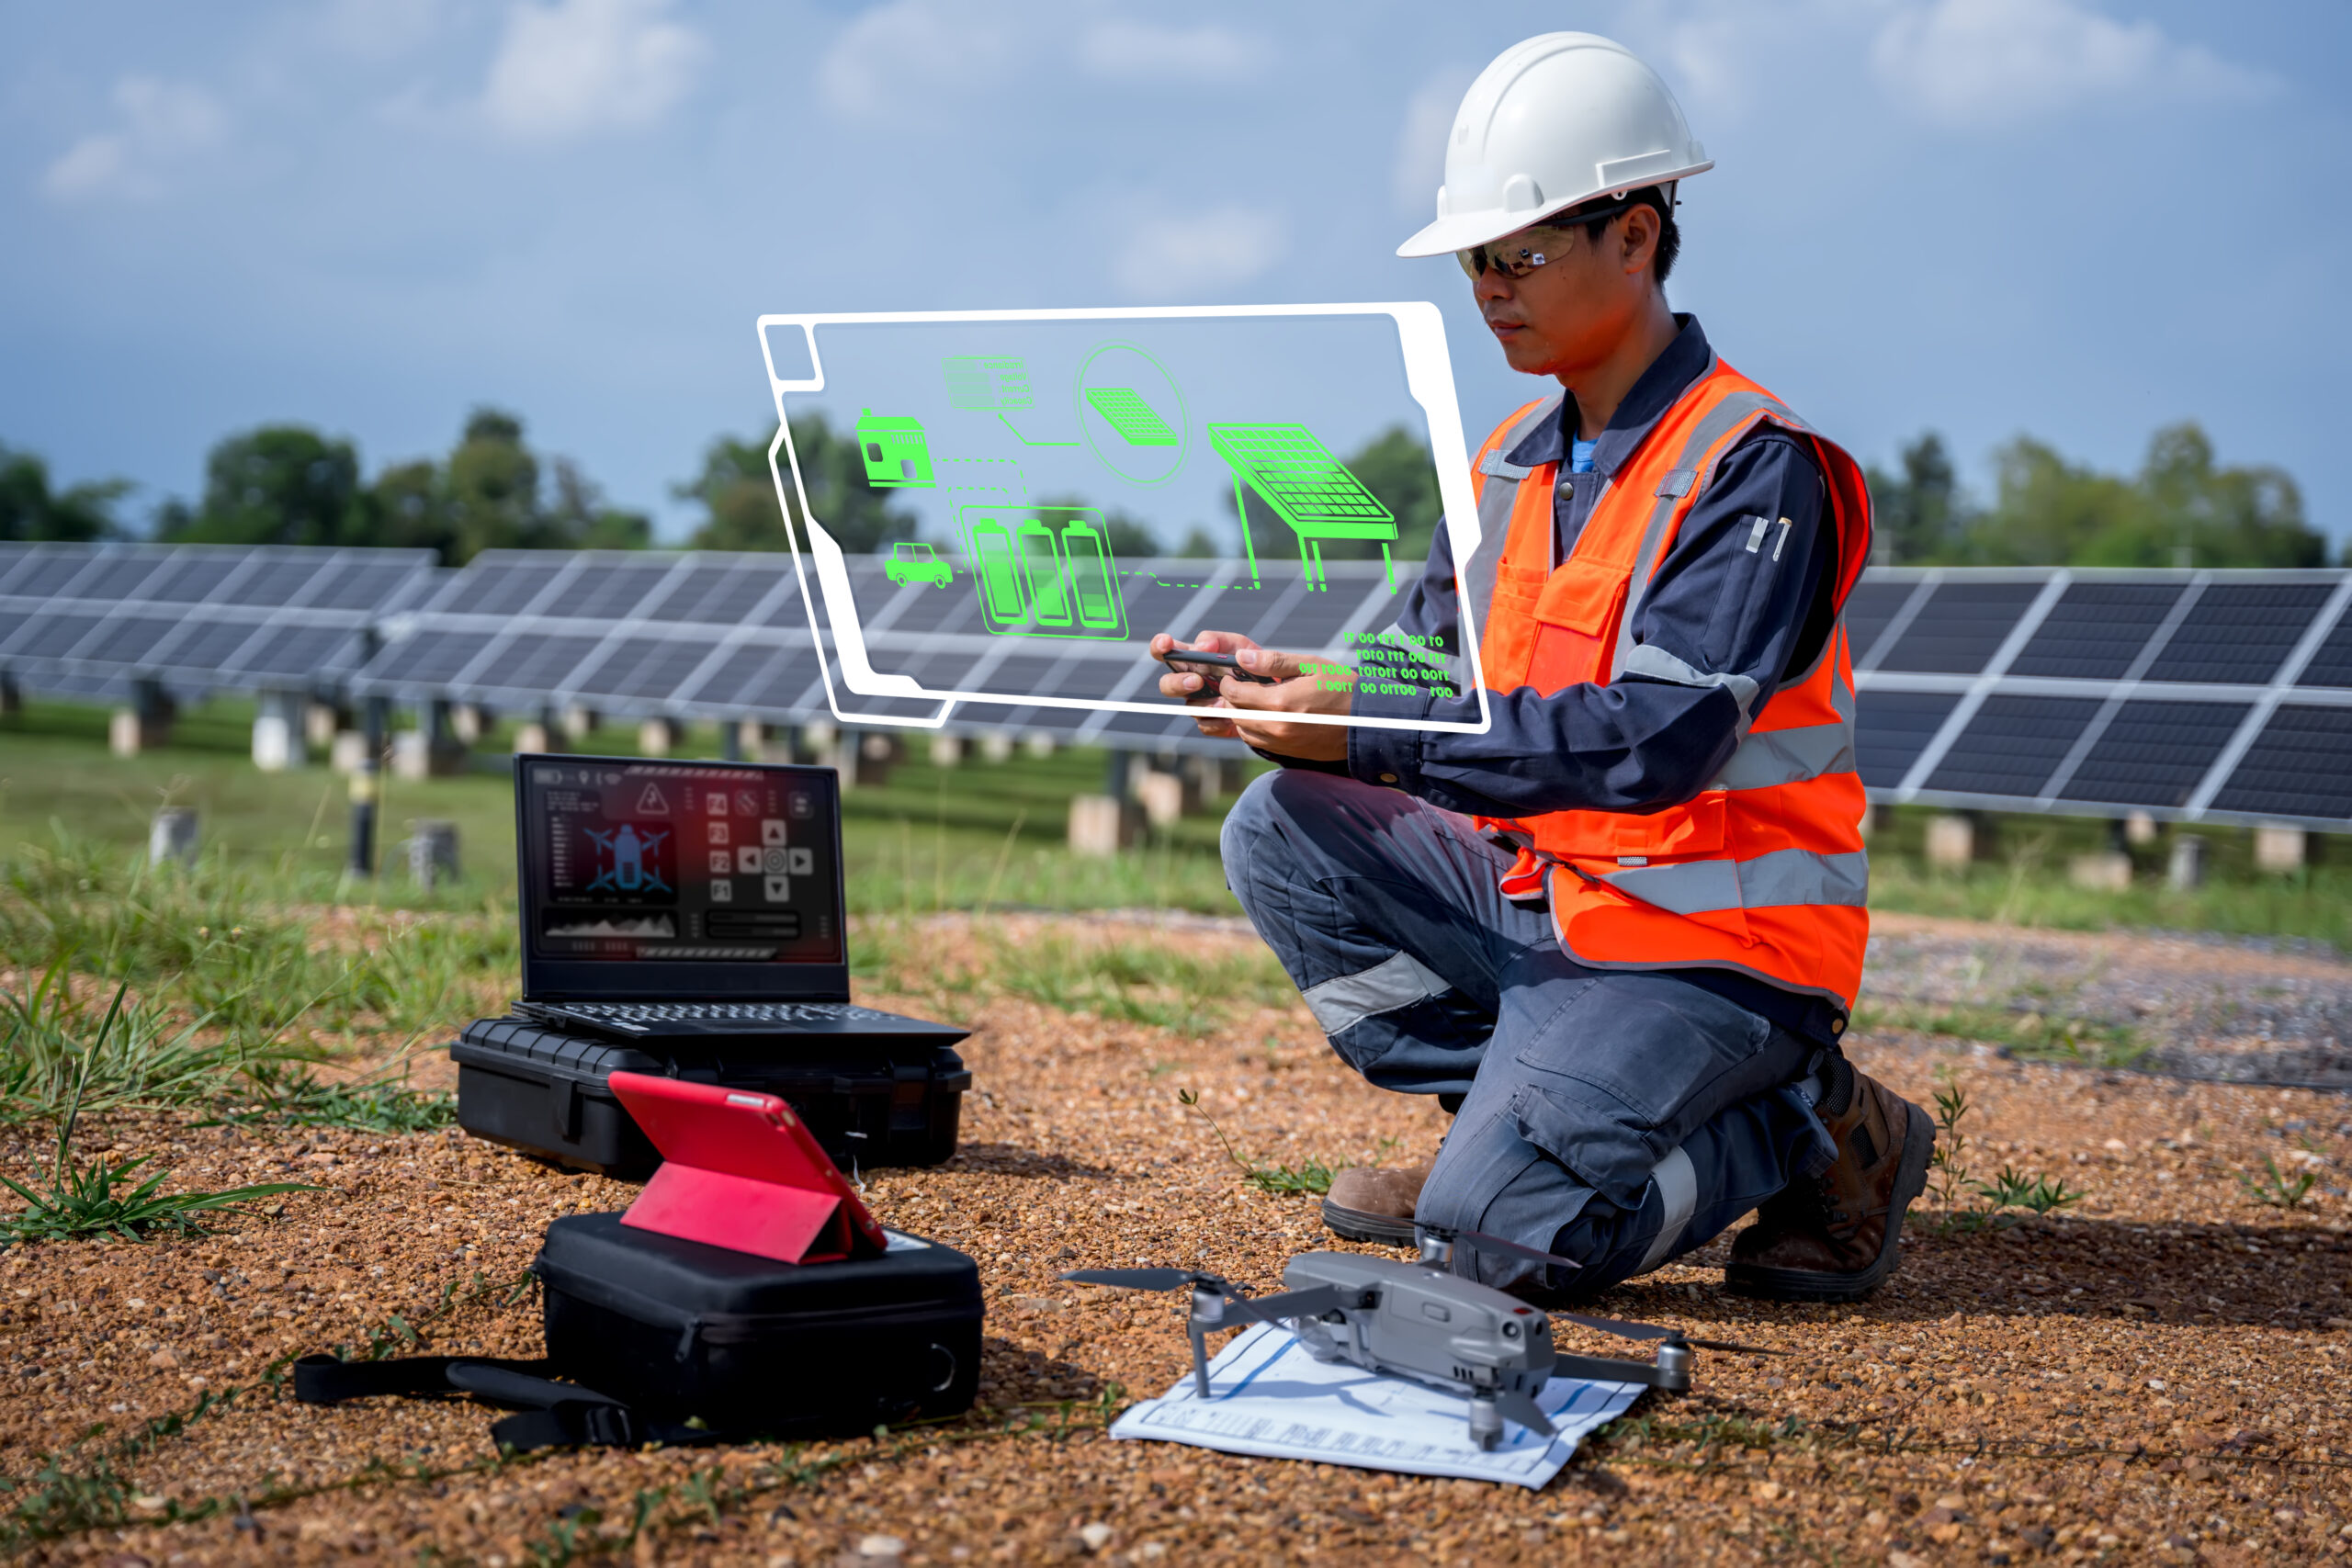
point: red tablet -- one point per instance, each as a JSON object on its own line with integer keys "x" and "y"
{"x": 740, "y": 1170}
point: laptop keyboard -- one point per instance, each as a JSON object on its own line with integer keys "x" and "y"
{"x": 725, "y": 1013}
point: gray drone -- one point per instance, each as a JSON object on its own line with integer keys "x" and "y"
{"x": 1420, "y": 1321}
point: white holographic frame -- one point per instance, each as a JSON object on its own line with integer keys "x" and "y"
{"x": 1429, "y": 379}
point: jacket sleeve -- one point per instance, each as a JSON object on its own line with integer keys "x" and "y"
{"x": 1725, "y": 617}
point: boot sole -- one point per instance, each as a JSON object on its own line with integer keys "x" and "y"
{"x": 1358, "y": 1225}
{"x": 1812, "y": 1285}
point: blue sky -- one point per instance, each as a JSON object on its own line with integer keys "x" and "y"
{"x": 2080, "y": 219}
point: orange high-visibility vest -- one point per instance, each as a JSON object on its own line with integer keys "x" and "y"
{"x": 1764, "y": 871}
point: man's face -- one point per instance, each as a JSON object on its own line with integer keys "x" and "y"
{"x": 1570, "y": 313}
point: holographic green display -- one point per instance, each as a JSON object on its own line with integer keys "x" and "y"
{"x": 1308, "y": 489}
{"x": 896, "y": 453}
{"x": 1042, "y": 571}
{"x": 986, "y": 383}
{"x": 1127, "y": 413}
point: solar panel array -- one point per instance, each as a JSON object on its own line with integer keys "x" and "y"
{"x": 2195, "y": 696}
{"x": 90, "y": 619}
{"x": 725, "y": 636}
{"x": 2213, "y": 696}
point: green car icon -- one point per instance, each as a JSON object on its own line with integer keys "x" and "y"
{"x": 914, "y": 561}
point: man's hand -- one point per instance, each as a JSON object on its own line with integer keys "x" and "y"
{"x": 1302, "y": 687}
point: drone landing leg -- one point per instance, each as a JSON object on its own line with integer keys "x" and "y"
{"x": 1201, "y": 1361}
{"x": 1485, "y": 1421}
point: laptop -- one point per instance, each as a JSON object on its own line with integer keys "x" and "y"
{"x": 682, "y": 899}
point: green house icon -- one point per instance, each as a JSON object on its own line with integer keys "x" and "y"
{"x": 897, "y": 456}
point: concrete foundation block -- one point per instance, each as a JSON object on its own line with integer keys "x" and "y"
{"x": 347, "y": 751}
{"x": 1102, "y": 825}
{"x": 659, "y": 737}
{"x": 130, "y": 732}
{"x": 1166, "y": 798}
{"x": 320, "y": 722}
{"x": 2185, "y": 867}
{"x": 946, "y": 751}
{"x": 580, "y": 723}
{"x": 276, "y": 745}
{"x": 1952, "y": 842}
{"x": 172, "y": 836}
{"x": 2106, "y": 873}
{"x": 1039, "y": 743}
{"x": 2139, "y": 830}
{"x": 996, "y": 746}
{"x": 433, "y": 854}
{"x": 2280, "y": 849}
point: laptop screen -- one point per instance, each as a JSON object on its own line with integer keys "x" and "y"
{"x": 635, "y": 862}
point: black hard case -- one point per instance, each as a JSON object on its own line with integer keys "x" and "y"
{"x": 681, "y": 1329}
{"x": 532, "y": 1088}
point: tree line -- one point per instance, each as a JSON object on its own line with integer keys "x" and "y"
{"x": 289, "y": 484}
{"x": 2183, "y": 508}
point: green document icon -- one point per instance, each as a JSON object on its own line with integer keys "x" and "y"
{"x": 897, "y": 456}
{"x": 1308, "y": 489}
{"x": 1044, "y": 571}
{"x": 1128, "y": 414}
{"x": 986, "y": 383}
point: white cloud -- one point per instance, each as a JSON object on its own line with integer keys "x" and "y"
{"x": 899, "y": 59}
{"x": 379, "y": 29}
{"x": 1146, "y": 51}
{"x": 162, "y": 123}
{"x": 575, "y": 67}
{"x": 1167, "y": 258}
{"x": 1419, "y": 167}
{"x": 1979, "y": 64}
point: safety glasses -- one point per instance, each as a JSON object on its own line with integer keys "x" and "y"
{"x": 1514, "y": 257}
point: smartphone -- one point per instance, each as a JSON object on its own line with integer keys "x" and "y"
{"x": 1196, "y": 662}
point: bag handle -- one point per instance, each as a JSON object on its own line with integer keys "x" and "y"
{"x": 554, "y": 1415}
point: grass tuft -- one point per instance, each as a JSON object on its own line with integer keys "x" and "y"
{"x": 80, "y": 1199}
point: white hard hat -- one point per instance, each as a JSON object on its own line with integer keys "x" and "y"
{"x": 1553, "y": 122}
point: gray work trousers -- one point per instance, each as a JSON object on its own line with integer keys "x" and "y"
{"x": 1615, "y": 1118}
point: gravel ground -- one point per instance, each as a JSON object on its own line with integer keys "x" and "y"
{"x": 2151, "y": 1375}
{"x": 2234, "y": 1010}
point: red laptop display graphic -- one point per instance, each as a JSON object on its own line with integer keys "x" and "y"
{"x": 741, "y": 1170}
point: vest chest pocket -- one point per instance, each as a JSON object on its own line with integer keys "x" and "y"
{"x": 1582, "y": 595}
{"x": 1506, "y": 645}
{"x": 1575, "y": 616}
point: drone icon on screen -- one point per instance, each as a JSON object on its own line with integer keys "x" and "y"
{"x": 630, "y": 854}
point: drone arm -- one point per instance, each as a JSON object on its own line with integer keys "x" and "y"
{"x": 1670, "y": 1372}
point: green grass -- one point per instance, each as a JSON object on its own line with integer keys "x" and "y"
{"x": 75, "y": 1199}
{"x": 931, "y": 837}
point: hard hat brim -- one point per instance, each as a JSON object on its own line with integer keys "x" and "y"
{"x": 1461, "y": 230}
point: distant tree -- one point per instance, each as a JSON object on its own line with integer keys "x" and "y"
{"x": 1919, "y": 513}
{"x": 280, "y": 484}
{"x": 738, "y": 495}
{"x": 1198, "y": 545}
{"x": 31, "y": 510}
{"x": 2181, "y": 509}
{"x": 488, "y": 496}
{"x": 580, "y": 515}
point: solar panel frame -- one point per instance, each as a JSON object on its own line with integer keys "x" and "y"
{"x": 2322, "y": 629}
{"x": 196, "y": 617}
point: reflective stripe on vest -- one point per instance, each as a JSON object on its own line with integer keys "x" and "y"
{"x": 1773, "y": 888}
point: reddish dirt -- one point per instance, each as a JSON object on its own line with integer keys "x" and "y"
{"x": 2152, "y": 1374}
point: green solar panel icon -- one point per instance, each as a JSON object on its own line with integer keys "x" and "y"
{"x": 1130, "y": 416}
{"x": 1308, "y": 489}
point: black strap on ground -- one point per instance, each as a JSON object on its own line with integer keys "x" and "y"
{"x": 554, "y": 1415}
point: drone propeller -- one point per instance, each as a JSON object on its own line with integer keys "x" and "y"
{"x": 1152, "y": 1279}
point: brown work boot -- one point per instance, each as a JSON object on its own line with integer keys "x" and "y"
{"x": 1832, "y": 1239}
{"x": 1367, "y": 1203}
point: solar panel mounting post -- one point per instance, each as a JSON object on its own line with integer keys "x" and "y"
{"x": 366, "y": 785}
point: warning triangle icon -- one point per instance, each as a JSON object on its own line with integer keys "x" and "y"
{"x": 653, "y": 801}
